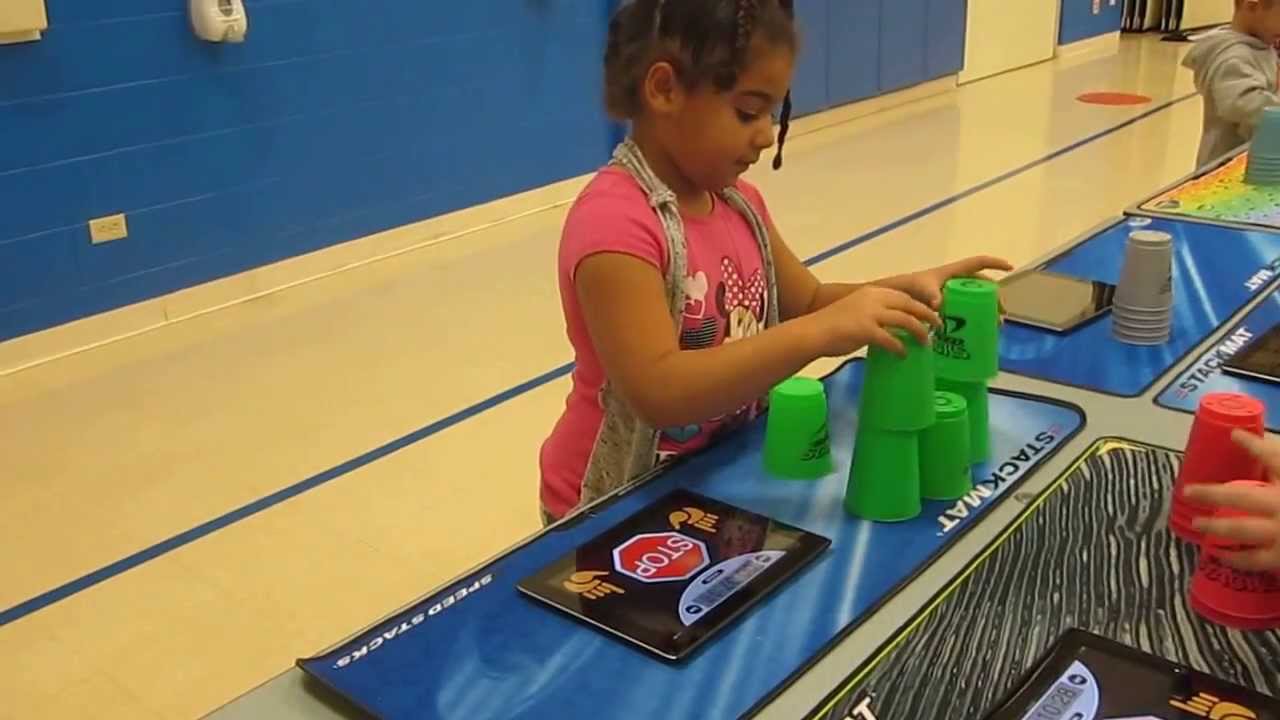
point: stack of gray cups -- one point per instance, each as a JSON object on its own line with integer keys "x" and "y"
{"x": 1143, "y": 312}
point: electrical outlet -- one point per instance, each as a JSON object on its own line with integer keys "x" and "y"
{"x": 106, "y": 229}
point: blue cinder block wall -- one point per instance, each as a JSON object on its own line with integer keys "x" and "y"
{"x": 1079, "y": 22}
{"x": 339, "y": 118}
{"x": 858, "y": 49}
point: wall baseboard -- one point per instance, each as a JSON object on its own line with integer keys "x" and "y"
{"x": 1090, "y": 48}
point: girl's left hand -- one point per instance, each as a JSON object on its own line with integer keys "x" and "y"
{"x": 926, "y": 285}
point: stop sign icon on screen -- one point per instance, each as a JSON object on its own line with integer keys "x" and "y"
{"x": 661, "y": 557}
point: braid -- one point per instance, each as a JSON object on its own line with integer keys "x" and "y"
{"x": 784, "y": 119}
{"x": 784, "y": 123}
{"x": 747, "y": 12}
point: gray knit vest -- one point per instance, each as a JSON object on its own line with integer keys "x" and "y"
{"x": 627, "y": 448}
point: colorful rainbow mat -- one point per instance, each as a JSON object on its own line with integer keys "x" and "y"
{"x": 1219, "y": 196}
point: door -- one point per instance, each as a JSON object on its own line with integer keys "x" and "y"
{"x": 1004, "y": 35}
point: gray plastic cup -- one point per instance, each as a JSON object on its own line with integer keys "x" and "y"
{"x": 1141, "y": 314}
{"x": 1142, "y": 326}
{"x": 1146, "y": 282}
{"x": 1139, "y": 337}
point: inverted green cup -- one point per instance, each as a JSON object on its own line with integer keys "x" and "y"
{"x": 796, "y": 443}
{"x": 945, "y": 470}
{"x": 884, "y": 483}
{"x": 967, "y": 347}
{"x": 977, "y": 399}
{"x": 897, "y": 392}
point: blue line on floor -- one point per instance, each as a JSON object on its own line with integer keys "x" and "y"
{"x": 947, "y": 202}
{"x": 62, "y": 592}
{"x": 122, "y": 566}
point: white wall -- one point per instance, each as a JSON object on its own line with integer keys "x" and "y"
{"x": 1199, "y": 13}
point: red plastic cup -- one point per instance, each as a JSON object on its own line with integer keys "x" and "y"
{"x": 1182, "y": 523}
{"x": 1234, "y": 598}
{"x": 1212, "y": 457}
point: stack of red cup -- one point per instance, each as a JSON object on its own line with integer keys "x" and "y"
{"x": 1234, "y": 598}
{"x": 1212, "y": 457}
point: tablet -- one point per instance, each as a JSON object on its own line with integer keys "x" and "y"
{"x": 1052, "y": 301}
{"x": 1088, "y": 677}
{"x": 676, "y": 573}
{"x": 1259, "y": 359}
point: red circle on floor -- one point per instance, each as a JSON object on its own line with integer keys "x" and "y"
{"x": 1113, "y": 98}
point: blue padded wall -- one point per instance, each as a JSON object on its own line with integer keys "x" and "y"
{"x": 1080, "y": 22}
{"x": 337, "y": 119}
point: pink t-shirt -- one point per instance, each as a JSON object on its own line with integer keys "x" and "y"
{"x": 725, "y": 297}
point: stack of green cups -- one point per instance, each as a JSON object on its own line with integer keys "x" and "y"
{"x": 945, "y": 473}
{"x": 897, "y": 404}
{"x": 967, "y": 353}
{"x": 796, "y": 443}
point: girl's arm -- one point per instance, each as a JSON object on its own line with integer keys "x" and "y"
{"x": 801, "y": 293}
{"x": 623, "y": 301}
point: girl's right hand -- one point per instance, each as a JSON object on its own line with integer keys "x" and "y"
{"x": 865, "y": 317}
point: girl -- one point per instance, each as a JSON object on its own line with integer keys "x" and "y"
{"x": 683, "y": 304}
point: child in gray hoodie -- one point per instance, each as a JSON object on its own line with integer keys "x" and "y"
{"x": 1236, "y": 74}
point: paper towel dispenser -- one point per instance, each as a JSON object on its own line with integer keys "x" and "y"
{"x": 22, "y": 20}
{"x": 219, "y": 20}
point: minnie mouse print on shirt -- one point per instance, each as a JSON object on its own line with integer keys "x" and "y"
{"x": 734, "y": 311}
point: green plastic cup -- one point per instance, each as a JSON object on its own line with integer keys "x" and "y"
{"x": 945, "y": 469}
{"x": 884, "y": 483}
{"x": 977, "y": 399}
{"x": 897, "y": 393}
{"x": 796, "y": 443}
{"x": 967, "y": 348}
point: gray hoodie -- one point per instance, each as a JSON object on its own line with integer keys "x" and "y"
{"x": 1236, "y": 75}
